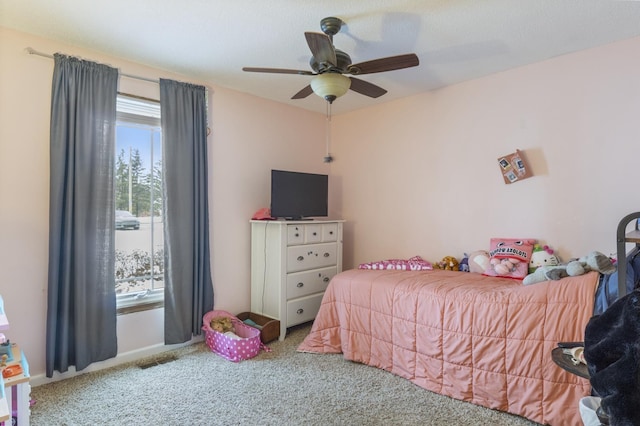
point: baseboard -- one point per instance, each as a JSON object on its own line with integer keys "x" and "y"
{"x": 123, "y": 358}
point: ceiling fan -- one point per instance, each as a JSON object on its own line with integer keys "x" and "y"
{"x": 330, "y": 64}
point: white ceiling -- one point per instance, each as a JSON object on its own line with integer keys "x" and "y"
{"x": 209, "y": 40}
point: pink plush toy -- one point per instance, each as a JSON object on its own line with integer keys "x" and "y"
{"x": 504, "y": 266}
{"x": 509, "y": 257}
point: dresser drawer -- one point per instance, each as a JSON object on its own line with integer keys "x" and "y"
{"x": 308, "y": 282}
{"x": 303, "y": 309}
{"x": 295, "y": 234}
{"x": 312, "y": 256}
{"x": 312, "y": 233}
{"x": 329, "y": 232}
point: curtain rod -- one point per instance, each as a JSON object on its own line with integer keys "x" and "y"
{"x": 32, "y": 51}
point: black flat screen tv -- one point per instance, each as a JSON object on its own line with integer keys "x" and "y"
{"x": 297, "y": 196}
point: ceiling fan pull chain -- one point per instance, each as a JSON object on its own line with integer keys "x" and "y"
{"x": 328, "y": 158}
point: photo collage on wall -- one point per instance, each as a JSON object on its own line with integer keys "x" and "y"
{"x": 514, "y": 167}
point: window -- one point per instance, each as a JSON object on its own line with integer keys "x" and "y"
{"x": 138, "y": 203}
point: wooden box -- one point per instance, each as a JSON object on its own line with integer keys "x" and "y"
{"x": 269, "y": 327}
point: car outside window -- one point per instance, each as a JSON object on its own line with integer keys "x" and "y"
{"x": 125, "y": 220}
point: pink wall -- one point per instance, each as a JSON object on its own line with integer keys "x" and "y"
{"x": 419, "y": 175}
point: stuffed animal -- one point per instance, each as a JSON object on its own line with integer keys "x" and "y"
{"x": 542, "y": 256}
{"x": 448, "y": 263}
{"x": 464, "y": 264}
{"x": 478, "y": 261}
{"x": 594, "y": 261}
{"x": 221, "y": 324}
{"x": 505, "y": 265}
{"x": 509, "y": 257}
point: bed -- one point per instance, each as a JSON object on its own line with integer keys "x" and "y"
{"x": 475, "y": 338}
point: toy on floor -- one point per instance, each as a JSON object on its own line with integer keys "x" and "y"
{"x": 594, "y": 261}
{"x": 448, "y": 263}
{"x": 221, "y": 324}
{"x": 542, "y": 256}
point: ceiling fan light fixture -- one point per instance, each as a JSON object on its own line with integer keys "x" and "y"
{"x": 330, "y": 86}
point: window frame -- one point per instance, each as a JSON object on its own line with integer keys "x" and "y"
{"x": 137, "y": 111}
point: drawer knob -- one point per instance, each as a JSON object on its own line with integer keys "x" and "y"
{"x": 315, "y": 233}
{"x": 300, "y": 285}
{"x": 325, "y": 279}
{"x": 300, "y": 311}
{"x": 327, "y": 255}
{"x": 300, "y": 258}
{"x": 330, "y": 232}
{"x": 297, "y": 235}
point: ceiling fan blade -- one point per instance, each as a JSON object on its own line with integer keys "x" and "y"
{"x": 366, "y": 88}
{"x": 303, "y": 93}
{"x": 384, "y": 64}
{"x": 277, "y": 71}
{"x": 321, "y": 48}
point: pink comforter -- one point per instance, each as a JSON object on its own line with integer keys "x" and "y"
{"x": 479, "y": 339}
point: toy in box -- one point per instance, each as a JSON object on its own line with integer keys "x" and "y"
{"x": 235, "y": 343}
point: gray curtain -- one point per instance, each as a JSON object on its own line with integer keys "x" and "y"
{"x": 81, "y": 301}
{"x": 188, "y": 285}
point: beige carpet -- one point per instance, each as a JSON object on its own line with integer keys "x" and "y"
{"x": 282, "y": 387}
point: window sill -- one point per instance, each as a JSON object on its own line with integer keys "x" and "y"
{"x": 129, "y": 305}
{"x": 124, "y": 310}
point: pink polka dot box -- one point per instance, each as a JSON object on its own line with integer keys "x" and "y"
{"x": 237, "y": 345}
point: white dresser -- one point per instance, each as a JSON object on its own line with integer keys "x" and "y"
{"x": 292, "y": 263}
